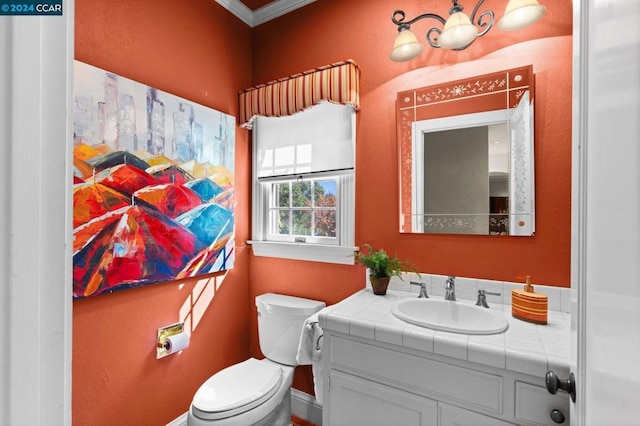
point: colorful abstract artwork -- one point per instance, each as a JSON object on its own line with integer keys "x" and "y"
{"x": 153, "y": 193}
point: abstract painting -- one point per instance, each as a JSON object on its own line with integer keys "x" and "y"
{"x": 153, "y": 185}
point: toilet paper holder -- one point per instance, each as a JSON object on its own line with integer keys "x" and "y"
{"x": 163, "y": 345}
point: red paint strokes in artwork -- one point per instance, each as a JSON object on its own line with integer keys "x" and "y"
{"x": 125, "y": 178}
{"x": 92, "y": 200}
{"x": 170, "y": 199}
{"x": 167, "y": 173}
{"x": 129, "y": 247}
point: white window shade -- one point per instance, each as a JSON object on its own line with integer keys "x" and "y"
{"x": 303, "y": 143}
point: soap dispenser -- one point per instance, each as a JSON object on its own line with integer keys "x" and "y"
{"x": 528, "y": 305}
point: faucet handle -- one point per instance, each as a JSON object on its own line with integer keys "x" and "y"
{"x": 482, "y": 297}
{"x": 423, "y": 289}
{"x": 492, "y": 293}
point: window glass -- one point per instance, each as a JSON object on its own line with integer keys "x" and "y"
{"x": 304, "y": 208}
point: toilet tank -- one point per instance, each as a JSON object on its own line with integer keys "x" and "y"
{"x": 280, "y": 321}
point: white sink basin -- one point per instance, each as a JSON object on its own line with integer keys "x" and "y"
{"x": 450, "y": 316}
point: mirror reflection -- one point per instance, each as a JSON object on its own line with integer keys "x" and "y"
{"x": 466, "y": 152}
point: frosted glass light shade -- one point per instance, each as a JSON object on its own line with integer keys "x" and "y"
{"x": 521, "y": 13}
{"x": 406, "y": 47}
{"x": 458, "y": 32}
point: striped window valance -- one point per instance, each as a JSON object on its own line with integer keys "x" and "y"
{"x": 338, "y": 83}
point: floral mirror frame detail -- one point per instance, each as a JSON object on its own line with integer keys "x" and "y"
{"x": 456, "y": 105}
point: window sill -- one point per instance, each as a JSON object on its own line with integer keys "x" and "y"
{"x": 302, "y": 251}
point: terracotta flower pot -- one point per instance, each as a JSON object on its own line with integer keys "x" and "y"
{"x": 379, "y": 284}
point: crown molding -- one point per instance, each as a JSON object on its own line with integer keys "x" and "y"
{"x": 277, "y": 8}
{"x": 239, "y": 9}
{"x": 264, "y": 14}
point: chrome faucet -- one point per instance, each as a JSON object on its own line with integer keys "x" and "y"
{"x": 423, "y": 289}
{"x": 482, "y": 298}
{"x": 450, "y": 289}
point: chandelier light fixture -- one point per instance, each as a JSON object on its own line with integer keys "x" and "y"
{"x": 460, "y": 31}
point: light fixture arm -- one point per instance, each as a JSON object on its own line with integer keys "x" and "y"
{"x": 401, "y": 22}
{"x": 402, "y": 25}
{"x": 398, "y": 18}
{"x": 479, "y": 22}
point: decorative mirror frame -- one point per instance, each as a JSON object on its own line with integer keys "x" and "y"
{"x": 458, "y": 100}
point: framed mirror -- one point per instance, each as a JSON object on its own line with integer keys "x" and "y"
{"x": 466, "y": 152}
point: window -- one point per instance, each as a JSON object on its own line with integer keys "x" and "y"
{"x": 303, "y": 189}
{"x": 304, "y": 210}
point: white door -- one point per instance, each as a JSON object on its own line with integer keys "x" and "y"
{"x": 606, "y": 212}
{"x": 36, "y": 58}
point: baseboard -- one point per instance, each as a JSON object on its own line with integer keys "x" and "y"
{"x": 306, "y": 406}
{"x": 180, "y": 421}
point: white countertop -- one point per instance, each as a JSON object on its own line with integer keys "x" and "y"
{"x": 524, "y": 347}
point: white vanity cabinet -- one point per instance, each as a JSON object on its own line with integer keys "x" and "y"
{"x": 369, "y": 383}
{"x": 454, "y": 416}
{"x": 357, "y": 401}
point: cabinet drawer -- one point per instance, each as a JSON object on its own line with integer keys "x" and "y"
{"x": 534, "y": 405}
{"x": 439, "y": 379}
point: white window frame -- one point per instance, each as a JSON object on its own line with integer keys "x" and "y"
{"x": 340, "y": 251}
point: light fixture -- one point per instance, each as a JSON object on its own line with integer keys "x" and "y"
{"x": 459, "y": 31}
{"x": 521, "y": 13}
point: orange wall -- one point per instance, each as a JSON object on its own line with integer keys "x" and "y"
{"x": 332, "y": 30}
{"x": 198, "y": 51}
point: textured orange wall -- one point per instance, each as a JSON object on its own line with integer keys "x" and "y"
{"x": 199, "y": 51}
{"x": 332, "y": 30}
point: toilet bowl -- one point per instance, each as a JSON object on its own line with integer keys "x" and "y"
{"x": 258, "y": 392}
{"x": 253, "y": 392}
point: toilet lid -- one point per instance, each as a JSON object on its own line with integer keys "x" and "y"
{"x": 237, "y": 389}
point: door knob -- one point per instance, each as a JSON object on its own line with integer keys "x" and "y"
{"x": 554, "y": 383}
{"x": 557, "y": 416}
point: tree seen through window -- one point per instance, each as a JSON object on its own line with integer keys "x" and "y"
{"x": 306, "y": 208}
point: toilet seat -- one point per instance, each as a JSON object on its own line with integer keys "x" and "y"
{"x": 237, "y": 389}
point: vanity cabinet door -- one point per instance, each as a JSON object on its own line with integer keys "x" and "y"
{"x": 454, "y": 416}
{"x": 358, "y": 402}
{"x": 534, "y": 405}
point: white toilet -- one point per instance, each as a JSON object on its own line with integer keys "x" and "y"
{"x": 258, "y": 392}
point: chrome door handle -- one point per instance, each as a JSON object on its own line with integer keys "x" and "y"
{"x": 554, "y": 383}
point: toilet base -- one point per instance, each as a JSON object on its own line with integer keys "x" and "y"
{"x": 279, "y": 416}
{"x": 283, "y": 416}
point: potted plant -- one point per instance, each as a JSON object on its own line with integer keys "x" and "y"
{"x": 382, "y": 267}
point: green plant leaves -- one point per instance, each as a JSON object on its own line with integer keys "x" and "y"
{"x": 381, "y": 264}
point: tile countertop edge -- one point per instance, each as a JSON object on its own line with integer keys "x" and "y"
{"x": 523, "y": 348}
